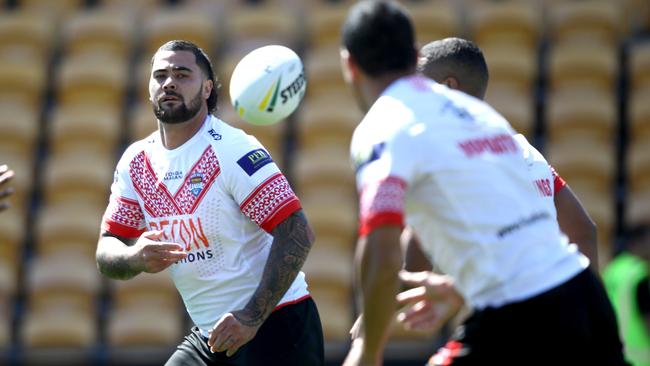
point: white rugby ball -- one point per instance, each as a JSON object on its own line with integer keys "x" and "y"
{"x": 267, "y": 85}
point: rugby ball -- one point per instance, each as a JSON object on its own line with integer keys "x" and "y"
{"x": 267, "y": 85}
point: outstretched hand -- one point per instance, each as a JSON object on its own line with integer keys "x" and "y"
{"x": 6, "y": 175}
{"x": 231, "y": 332}
{"x": 431, "y": 303}
{"x": 153, "y": 256}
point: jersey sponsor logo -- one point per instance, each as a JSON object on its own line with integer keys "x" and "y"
{"x": 499, "y": 144}
{"x": 214, "y": 134}
{"x": 369, "y": 156}
{"x": 543, "y": 187}
{"x": 196, "y": 184}
{"x": 187, "y": 231}
{"x": 254, "y": 161}
{"x": 521, "y": 223}
{"x": 177, "y": 174}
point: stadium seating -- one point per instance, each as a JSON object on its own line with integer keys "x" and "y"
{"x": 75, "y": 77}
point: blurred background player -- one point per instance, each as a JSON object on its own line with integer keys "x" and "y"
{"x": 459, "y": 64}
{"x": 448, "y": 165}
{"x": 206, "y": 201}
{"x": 6, "y": 175}
{"x": 628, "y": 285}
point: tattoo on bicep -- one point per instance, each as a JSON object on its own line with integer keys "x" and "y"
{"x": 292, "y": 240}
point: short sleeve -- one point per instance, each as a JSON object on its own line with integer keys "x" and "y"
{"x": 123, "y": 216}
{"x": 383, "y": 180}
{"x": 263, "y": 193}
{"x": 558, "y": 182}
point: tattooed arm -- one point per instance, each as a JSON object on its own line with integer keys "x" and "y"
{"x": 292, "y": 240}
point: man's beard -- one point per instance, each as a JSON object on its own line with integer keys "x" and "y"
{"x": 180, "y": 113}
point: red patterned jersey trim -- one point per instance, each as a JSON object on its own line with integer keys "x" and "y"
{"x": 124, "y": 218}
{"x": 271, "y": 202}
{"x": 158, "y": 202}
{"x": 558, "y": 182}
{"x": 198, "y": 181}
{"x": 382, "y": 203}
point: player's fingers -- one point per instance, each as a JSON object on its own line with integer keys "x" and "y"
{"x": 167, "y": 247}
{"x": 6, "y": 192}
{"x": 233, "y": 345}
{"x": 3, "y": 168}
{"x": 414, "y": 278}
{"x": 220, "y": 333}
{"x": 412, "y": 295}
{"x": 6, "y": 176}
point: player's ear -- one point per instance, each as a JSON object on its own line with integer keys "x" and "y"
{"x": 207, "y": 88}
{"x": 451, "y": 82}
{"x": 348, "y": 66}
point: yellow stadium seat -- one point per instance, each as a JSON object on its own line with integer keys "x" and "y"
{"x": 324, "y": 168}
{"x": 579, "y": 22}
{"x": 637, "y": 207}
{"x": 518, "y": 72}
{"x": 589, "y": 66}
{"x": 583, "y": 113}
{"x": 585, "y": 162}
{"x": 323, "y": 68}
{"x": 324, "y": 21}
{"x": 65, "y": 273}
{"x": 87, "y": 128}
{"x": 263, "y": 24}
{"x": 517, "y": 23}
{"x": 59, "y": 7}
{"x": 14, "y": 230}
{"x": 142, "y": 121}
{"x": 434, "y": 20}
{"x": 76, "y": 177}
{"x": 142, "y": 76}
{"x": 132, "y": 7}
{"x": 59, "y": 320}
{"x": 19, "y": 128}
{"x": 639, "y": 114}
{"x": 164, "y": 25}
{"x": 26, "y": 36}
{"x": 23, "y": 82}
{"x": 638, "y": 166}
{"x": 334, "y": 307}
{"x": 639, "y": 66}
{"x": 145, "y": 312}
{"x": 92, "y": 80}
{"x": 100, "y": 32}
{"x": 327, "y": 119}
{"x": 515, "y": 105}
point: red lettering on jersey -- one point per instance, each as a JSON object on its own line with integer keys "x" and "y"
{"x": 185, "y": 231}
{"x": 543, "y": 187}
{"x": 499, "y": 144}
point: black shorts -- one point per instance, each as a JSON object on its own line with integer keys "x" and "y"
{"x": 291, "y": 336}
{"x": 572, "y": 324}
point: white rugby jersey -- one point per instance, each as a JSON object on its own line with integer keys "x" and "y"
{"x": 219, "y": 195}
{"x": 449, "y": 164}
{"x": 544, "y": 177}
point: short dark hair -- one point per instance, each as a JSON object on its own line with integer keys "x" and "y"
{"x": 457, "y": 58}
{"x": 379, "y": 36}
{"x": 202, "y": 61}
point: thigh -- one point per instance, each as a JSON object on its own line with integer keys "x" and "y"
{"x": 291, "y": 336}
{"x": 194, "y": 351}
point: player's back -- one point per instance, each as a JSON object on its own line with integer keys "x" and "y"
{"x": 468, "y": 192}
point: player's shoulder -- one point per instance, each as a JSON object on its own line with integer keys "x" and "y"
{"x": 227, "y": 138}
{"x": 140, "y": 146}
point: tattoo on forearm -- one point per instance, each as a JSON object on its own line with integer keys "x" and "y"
{"x": 115, "y": 265}
{"x": 292, "y": 240}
